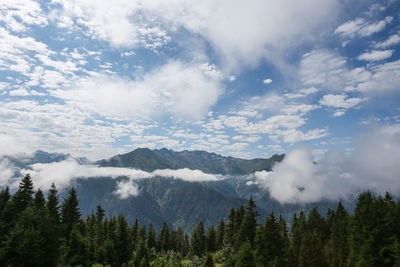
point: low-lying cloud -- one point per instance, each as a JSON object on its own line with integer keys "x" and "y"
{"x": 63, "y": 173}
{"x": 373, "y": 165}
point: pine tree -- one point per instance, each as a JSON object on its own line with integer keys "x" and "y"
{"x": 135, "y": 233}
{"x": 77, "y": 251}
{"x": 208, "y": 261}
{"x": 270, "y": 243}
{"x": 210, "y": 240}
{"x": 163, "y": 238}
{"x": 151, "y": 237}
{"x": 38, "y": 201}
{"x": 24, "y": 195}
{"x": 363, "y": 223}
{"x": 23, "y": 244}
{"x": 123, "y": 246}
{"x": 70, "y": 213}
{"x": 197, "y": 241}
{"x": 296, "y": 235}
{"x": 245, "y": 256}
{"x": 220, "y": 235}
{"x": 337, "y": 246}
{"x": 248, "y": 226}
{"x": 53, "y": 205}
{"x": 4, "y": 198}
{"x": 100, "y": 236}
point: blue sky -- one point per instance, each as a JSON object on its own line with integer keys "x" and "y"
{"x": 240, "y": 78}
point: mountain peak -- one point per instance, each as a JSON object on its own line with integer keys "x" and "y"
{"x": 150, "y": 160}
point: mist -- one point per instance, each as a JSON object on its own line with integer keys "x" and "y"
{"x": 63, "y": 173}
{"x": 373, "y": 165}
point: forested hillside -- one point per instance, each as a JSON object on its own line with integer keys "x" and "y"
{"x": 40, "y": 231}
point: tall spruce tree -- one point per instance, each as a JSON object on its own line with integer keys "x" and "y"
{"x": 197, "y": 241}
{"x": 248, "y": 225}
{"x": 70, "y": 213}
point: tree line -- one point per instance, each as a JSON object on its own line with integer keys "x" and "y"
{"x": 40, "y": 231}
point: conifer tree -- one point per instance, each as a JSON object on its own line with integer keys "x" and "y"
{"x": 77, "y": 251}
{"x": 100, "y": 235}
{"x": 197, "y": 241}
{"x": 210, "y": 239}
{"x": 53, "y": 205}
{"x": 70, "y": 213}
{"x": 248, "y": 224}
{"x": 123, "y": 246}
{"x": 135, "y": 233}
{"x": 220, "y": 235}
{"x": 208, "y": 261}
{"x": 163, "y": 238}
{"x": 4, "y": 198}
{"x": 38, "y": 201}
{"x": 245, "y": 256}
{"x": 337, "y": 246}
{"x": 24, "y": 195}
{"x": 151, "y": 237}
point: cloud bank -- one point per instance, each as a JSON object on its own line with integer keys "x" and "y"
{"x": 373, "y": 165}
{"x": 240, "y": 32}
{"x": 63, "y": 173}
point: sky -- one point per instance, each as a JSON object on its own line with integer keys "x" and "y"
{"x": 240, "y": 78}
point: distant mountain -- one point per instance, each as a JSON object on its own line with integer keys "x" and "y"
{"x": 40, "y": 156}
{"x": 150, "y": 160}
{"x": 179, "y": 203}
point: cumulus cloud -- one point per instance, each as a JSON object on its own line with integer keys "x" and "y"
{"x": 184, "y": 90}
{"x": 376, "y": 55}
{"x": 361, "y": 27}
{"x": 127, "y": 188}
{"x": 392, "y": 40}
{"x": 255, "y": 35}
{"x": 10, "y": 147}
{"x": 327, "y": 70}
{"x": 373, "y": 165}
{"x": 267, "y": 81}
{"x": 65, "y": 172}
{"x": 7, "y": 171}
{"x": 339, "y": 101}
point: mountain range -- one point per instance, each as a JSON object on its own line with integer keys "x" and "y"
{"x": 179, "y": 203}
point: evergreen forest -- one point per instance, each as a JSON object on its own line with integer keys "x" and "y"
{"x": 38, "y": 229}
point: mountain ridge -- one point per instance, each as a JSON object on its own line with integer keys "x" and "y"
{"x": 208, "y": 162}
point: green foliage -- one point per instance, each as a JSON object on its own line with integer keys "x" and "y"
{"x": 30, "y": 227}
{"x": 208, "y": 261}
{"x": 197, "y": 241}
{"x": 245, "y": 256}
{"x": 70, "y": 213}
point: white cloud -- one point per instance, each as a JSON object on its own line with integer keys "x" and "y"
{"x": 184, "y": 90}
{"x": 66, "y": 172}
{"x": 16, "y": 15}
{"x": 373, "y": 165}
{"x": 301, "y": 93}
{"x": 329, "y": 71}
{"x": 267, "y": 81}
{"x": 376, "y": 55}
{"x": 339, "y": 101}
{"x": 11, "y": 147}
{"x": 7, "y": 171}
{"x": 361, "y": 27}
{"x": 385, "y": 78}
{"x": 255, "y": 36}
{"x": 250, "y": 139}
{"x": 392, "y": 40}
{"x": 126, "y": 188}
{"x": 339, "y": 113}
{"x": 19, "y": 92}
{"x": 235, "y": 147}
